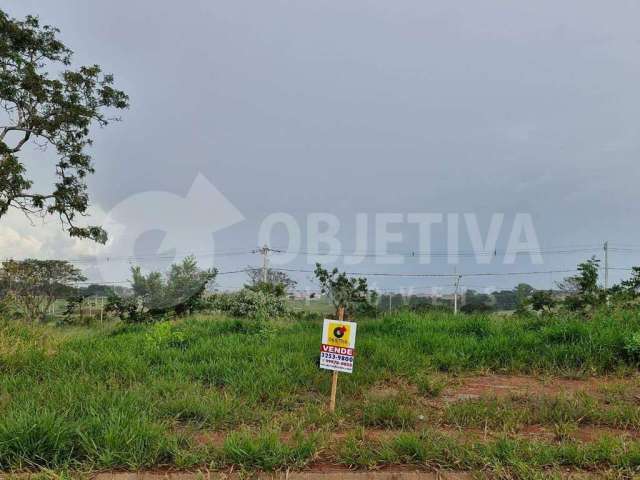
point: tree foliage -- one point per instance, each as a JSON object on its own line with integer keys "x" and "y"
{"x": 582, "y": 290}
{"x": 179, "y": 291}
{"x": 475, "y": 302}
{"x": 631, "y": 286}
{"x": 542, "y": 300}
{"x": 51, "y": 111}
{"x": 277, "y": 283}
{"x": 352, "y": 294}
{"x": 522, "y": 291}
{"x": 35, "y": 284}
{"x": 248, "y": 303}
{"x": 627, "y": 292}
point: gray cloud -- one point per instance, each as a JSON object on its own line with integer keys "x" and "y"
{"x": 373, "y": 106}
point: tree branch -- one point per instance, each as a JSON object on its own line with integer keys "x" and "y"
{"x": 21, "y": 143}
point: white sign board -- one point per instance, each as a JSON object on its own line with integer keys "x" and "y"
{"x": 338, "y": 345}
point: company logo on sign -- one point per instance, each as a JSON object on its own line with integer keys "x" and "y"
{"x": 339, "y": 334}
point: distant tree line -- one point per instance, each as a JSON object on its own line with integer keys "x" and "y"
{"x": 576, "y": 293}
{"x": 28, "y": 289}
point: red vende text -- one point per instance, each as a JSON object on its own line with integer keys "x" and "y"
{"x": 338, "y": 350}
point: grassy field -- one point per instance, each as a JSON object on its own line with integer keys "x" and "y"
{"x": 507, "y": 396}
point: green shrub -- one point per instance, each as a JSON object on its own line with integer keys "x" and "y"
{"x": 251, "y": 304}
{"x": 632, "y": 346}
{"x": 164, "y": 334}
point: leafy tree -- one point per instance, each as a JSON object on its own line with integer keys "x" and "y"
{"x": 96, "y": 290}
{"x": 128, "y": 308}
{"x": 523, "y": 291}
{"x": 36, "y": 284}
{"x": 150, "y": 289}
{"x": 352, "y": 294}
{"x": 418, "y": 303}
{"x": 56, "y": 111}
{"x": 275, "y": 289}
{"x": 277, "y": 283}
{"x": 186, "y": 284}
{"x": 587, "y": 278}
{"x": 627, "y": 292}
{"x": 541, "y": 300}
{"x": 505, "y": 300}
{"x": 74, "y": 305}
{"x": 74, "y": 313}
{"x": 632, "y": 285}
{"x": 582, "y": 290}
{"x": 179, "y": 291}
{"x": 477, "y": 302}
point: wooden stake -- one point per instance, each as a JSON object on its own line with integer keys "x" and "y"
{"x": 334, "y": 377}
{"x": 334, "y": 389}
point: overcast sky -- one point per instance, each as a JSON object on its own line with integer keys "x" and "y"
{"x": 364, "y": 106}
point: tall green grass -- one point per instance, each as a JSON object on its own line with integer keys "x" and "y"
{"x": 121, "y": 396}
{"x": 515, "y": 458}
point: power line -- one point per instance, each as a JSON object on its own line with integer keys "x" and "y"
{"x": 99, "y": 282}
{"x": 444, "y": 275}
{"x": 363, "y": 254}
{"x": 441, "y": 253}
{"x": 151, "y": 257}
{"x": 400, "y": 274}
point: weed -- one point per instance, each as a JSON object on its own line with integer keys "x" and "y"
{"x": 430, "y": 385}
{"x": 266, "y": 451}
{"x": 387, "y": 412}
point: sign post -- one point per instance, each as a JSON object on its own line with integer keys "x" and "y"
{"x": 334, "y": 374}
{"x": 337, "y": 350}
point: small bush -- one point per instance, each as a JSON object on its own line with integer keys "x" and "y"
{"x": 163, "y": 335}
{"x": 632, "y": 346}
{"x": 247, "y": 303}
{"x": 9, "y": 310}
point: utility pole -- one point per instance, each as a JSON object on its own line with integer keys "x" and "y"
{"x": 606, "y": 271}
{"x": 455, "y": 295}
{"x": 264, "y": 251}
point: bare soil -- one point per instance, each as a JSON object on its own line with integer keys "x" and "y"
{"x": 502, "y": 386}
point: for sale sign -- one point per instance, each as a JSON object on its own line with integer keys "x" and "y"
{"x": 338, "y": 345}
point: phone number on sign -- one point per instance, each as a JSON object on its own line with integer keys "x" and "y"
{"x": 333, "y": 356}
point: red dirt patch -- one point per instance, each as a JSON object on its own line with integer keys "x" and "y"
{"x": 593, "y": 433}
{"x": 507, "y": 385}
{"x": 214, "y": 439}
{"x": 329, "y": 472}
{"x": 584, "y": 433}
{"x": 388, "y": 389}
